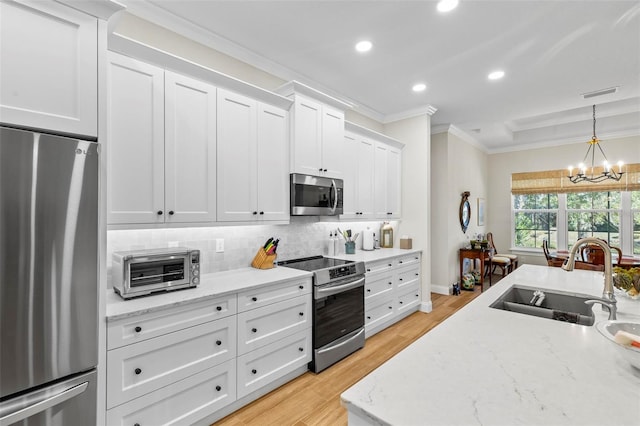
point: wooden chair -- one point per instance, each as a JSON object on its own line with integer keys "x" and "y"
{"x": 512, "y": 257}
{"x": 588, "y": 266}
{"x": 551, "y": 261}
{"x": 593, "y": 253}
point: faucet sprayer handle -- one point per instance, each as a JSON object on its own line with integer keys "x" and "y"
{"x": 610, "y": 305}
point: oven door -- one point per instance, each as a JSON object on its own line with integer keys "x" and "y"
{"x": 338, "y": 310}
{"x": 153, "y": 273}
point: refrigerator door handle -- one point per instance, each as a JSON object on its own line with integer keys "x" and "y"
{"x": 38, "y": 405}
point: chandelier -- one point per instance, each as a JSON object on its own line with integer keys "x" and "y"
{"x": 607, "y": 170}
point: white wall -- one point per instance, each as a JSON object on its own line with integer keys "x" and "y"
{"x": 502, "y": 165}
{"x": 416, "y": 190}
{"x": 457, "y": 165}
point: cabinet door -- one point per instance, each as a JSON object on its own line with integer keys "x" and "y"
{"x": 306, "y": 147}
{"x": 367, "y": 193}
{"x": 272, "y": 163}
{"x": 237, "y": 175}
{"x": 49, "y": 58}
{"x": 135, "y": 145}
{"x": 190, "y": 149}
{"x": 350, "y": 201}
{"x": 380, "y": 180}
{"x": 394, "y": 182}
{"x": 333, "y": 159}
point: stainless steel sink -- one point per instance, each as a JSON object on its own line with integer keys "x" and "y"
{"x": 556, "y": 305}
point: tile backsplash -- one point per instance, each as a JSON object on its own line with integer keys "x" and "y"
{"x": 303, "y": 236}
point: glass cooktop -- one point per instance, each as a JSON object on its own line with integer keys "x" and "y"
{"x": 314, "y": 263}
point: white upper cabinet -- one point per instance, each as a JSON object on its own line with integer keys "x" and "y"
{"x": 49, "y": 77}
{"x": 135, "y": 145}
{"x": 161, "y": 150}
{"x": 359, "y": 176}
{"x": 387, "y": 181}
{"x": 190, "y": 149}
{"x": 252, "y": 160}
{"x": 317, "y": 122}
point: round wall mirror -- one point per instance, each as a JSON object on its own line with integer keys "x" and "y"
{"x": 465, "y": 211}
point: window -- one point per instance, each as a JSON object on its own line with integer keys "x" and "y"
{"x": 593, "y": 214}
{"x": 635, "y": 214}
{"x": 535, "y": 218}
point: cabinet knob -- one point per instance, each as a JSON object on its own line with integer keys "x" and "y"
{"x": 255, "y": 299}
{"x": 301, "y": 314}
{"x": 218, "y": 308}
{"x": 171, "y": 212}
{"x": 254, "y": 213}
{"x": 390, "y": 307}
{"x": 218, "y": 342}
{"x": 138, "y": 329}
{"x": 159, "y": 212}
{"x": 218, "y": 388}
{"x": 417, "y": 295}
{"x": 301, "y": 287}
{"x": 324, "y": 170}
{"x": 368, "y": 317}
{"x": 401, "y": 302}
{"x": 368, "y": 290}
{"x": 261, "y": 212}
{"x": 255, "y": 330}
{"x": 320, "y": 169}
{"x": 399, "y": 261}
{"x": 399, "y": 279}
{"x": 136, "y": 424}
{"x": 368, "y": 269}
{"x": 389, "y": 265}
{"x": 254, "y": 371}
{"x": 417, "y": 274}
{"x": 137, "y": 371}
{"x": 390, "y": 283}
{"x": 301, "y": 349}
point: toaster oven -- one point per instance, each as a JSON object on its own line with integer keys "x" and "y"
{"x": 142, "y": 272}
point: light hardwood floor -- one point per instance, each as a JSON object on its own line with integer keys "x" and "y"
{"x": 314, "y": 399}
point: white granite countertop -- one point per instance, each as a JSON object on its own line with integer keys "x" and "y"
{"x": 485, "y": 366}
{"x": 373, "y": 255}
{"x": 211, "y": 286}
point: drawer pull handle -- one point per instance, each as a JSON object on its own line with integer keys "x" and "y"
{"x": 218, "y": 342}
{"x": 218, "y": 308}
{"x": 301, "y": 349}
{"x": 390, "y": 265}
{"x": 138, "y": 329}
{"x": 400, "y": 279}
{"x": 368, "y": 317}
{"x": 218, "y": 388}
{"x": 417, "y": 274}
{"x": 400, "y": 261}
{"x": 254, "y": 371}
{"x": 401, "y": 302}
{"x": 255, "y": 299}
{"x": 368, "y": 269}
{"x": 255, "y": 330}
{"x": 136, "y": 424}
{"x": 261, "y": 212}
{"x": 390, "y": 307}
{"x": 137, "y": 371}
{"x": 390, "y": 283}
{"x": 368, "y": 290}
{"x": 301, "y": 287}
{"x": 159, "y": 212}
{"x": 171, "y": 212}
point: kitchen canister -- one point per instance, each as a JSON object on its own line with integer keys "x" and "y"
{"x": 367, "y": 239}
{"x": 386, "y": 234}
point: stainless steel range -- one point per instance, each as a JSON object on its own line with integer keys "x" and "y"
{"x": 338, "y": 307}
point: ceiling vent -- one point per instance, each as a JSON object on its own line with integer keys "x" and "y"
{"x": 600, "y": 92}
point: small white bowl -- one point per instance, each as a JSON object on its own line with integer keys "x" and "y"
{"x": 609, "y": 329}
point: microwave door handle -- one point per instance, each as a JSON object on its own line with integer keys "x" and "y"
{"x": 335, "y": 195}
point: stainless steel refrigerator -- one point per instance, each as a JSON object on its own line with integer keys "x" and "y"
{"x": 48, "y": 279}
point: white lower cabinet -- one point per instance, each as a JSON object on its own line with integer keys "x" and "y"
{"x": 392, "y": 291}
{"x": 268, "y": 363}
{"x": 181, "y": 403}
{"x": 137, "y": 369}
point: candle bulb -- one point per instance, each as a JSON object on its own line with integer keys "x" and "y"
{"x": 607, "y": 167}
{"x": 570, "y": 171}
{"x": 620, "y": 163}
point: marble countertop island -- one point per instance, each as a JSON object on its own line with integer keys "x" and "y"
{"x": 485, "y": 366}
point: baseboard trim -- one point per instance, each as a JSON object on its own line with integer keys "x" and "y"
{"x": 426, "y": 306}
{"x": 441, "y": 289}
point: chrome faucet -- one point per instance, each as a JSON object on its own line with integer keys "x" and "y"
{"x": 607, "y": 293}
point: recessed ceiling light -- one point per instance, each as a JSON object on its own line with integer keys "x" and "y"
{"x": 364, "y": 46}
{"x": 447, "y": 5}
{"x": 496, "y": 75}
{"x": 419, "y": 87}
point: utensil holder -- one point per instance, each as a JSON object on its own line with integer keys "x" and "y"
{"x": 262, "y": 260}
{"x": 350, "y": 247}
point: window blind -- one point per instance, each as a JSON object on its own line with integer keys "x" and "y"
{"x": 557, "y": 181}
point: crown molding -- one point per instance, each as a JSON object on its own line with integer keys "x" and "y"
{"x": 427, "y": 109}
{"x": 459, "y": 133}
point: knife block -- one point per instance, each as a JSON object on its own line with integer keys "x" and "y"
{"x": 262, "y": 260}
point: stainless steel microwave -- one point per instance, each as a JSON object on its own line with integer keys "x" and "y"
{"x": 142, "y": 272}
{"x": 316, "y": 195}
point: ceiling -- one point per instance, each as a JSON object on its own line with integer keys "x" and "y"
{"x": 552, "y": 52}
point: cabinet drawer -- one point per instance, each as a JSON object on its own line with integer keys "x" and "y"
{"x": 135, "y": 370}
{"x": 408, "y": 259}
{"x": 378, "y": 285}
{"x": 184, "y": 402}
{"x": 378, "y": 266}
{"x": 408, "y": 299}
{"x": 378, "y": 313}
{"x": 143, "y": 327}
{"x": 265, "y": 325}
{"x": 264, "y": 365}
{"x": 267, "y": 295}
{"x": 408, "y": 277}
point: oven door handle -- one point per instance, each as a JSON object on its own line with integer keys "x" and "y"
{"x": 328, "y": 291}
{"x": 347, "y": 341}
